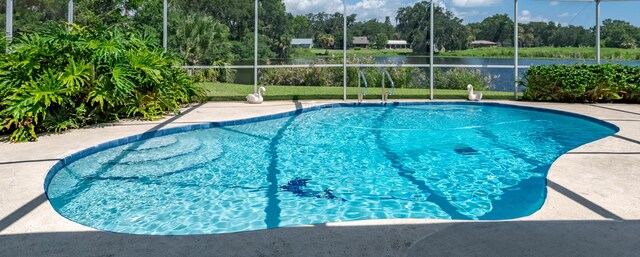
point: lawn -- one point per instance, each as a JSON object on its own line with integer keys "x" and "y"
{"x": 574, "y": 53}
{"x": 238, "y": 92}
{"x": 579, "y": 53}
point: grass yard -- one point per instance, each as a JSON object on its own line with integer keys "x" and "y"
{"x": 574, "y": 53}
{"x": 579, "y": 53}
{"x": 238, "y": 92}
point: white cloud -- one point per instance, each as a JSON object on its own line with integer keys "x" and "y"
{"x": 567, "y": 14}
{"x": 526, "y": 17}
{"x": 474, "y": 3}
{"x": 370, "y": 4}
{"x": 440, "y": 3}
{"x": 554, "y": 3}
{"x": 374, "y": 9}
{"x": 463, "y": 14}
{"x": 313, "y": 6}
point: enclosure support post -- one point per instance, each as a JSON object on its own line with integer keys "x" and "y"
{"x": 515, "y": 47}
{"x": 164, "y": 24}
{"x": 70, "y": 12}
{"x": 344, "y": 51}
{"x": 9, "y": 24}
{"x": 431, "y": 34}
{"x": 255, "y": 48}
{"x": 598, "y": 31}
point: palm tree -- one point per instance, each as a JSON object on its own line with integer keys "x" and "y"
{"x": 326, "y": 41}
{"x": 201, "y": 39}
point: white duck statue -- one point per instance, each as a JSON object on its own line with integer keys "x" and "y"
{"x": 256, "y": 98}
{"x": 472, "y": 96}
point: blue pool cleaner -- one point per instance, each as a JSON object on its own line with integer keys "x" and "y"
{"x": 297, "y": 186}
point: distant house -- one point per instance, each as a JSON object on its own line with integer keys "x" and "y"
{"x": 362, "y": 42}
{"x": 483, "y": 43}
{"x": 302, "y": 42}
{"x": 397, "y": 44}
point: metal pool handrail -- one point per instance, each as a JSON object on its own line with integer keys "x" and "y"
{"x": 366, "y": 85}
{"x": 393, "y": 85}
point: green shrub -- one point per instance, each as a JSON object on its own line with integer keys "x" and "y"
{"x": 459, "y": 78}
{"x": 403, "y": 77}
{"x": 70, "y": 76}
{"x": 582, "y": 83}
{"x": 315, "y": 76}
{"x": 357, "y": 48}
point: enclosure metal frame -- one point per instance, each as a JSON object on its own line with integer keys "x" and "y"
{"x": 431, "y": 35}
{"x": 70, "y": 12}
{"x": 344, "y": 49}
{"x": 515, "y": 47}
{"x": 165, "y": 18}
{"x": 598, "y": 31}
{"x": 8, "y": 24}
{"x": 255, "y": 46}
{"x": 344, "y": 65}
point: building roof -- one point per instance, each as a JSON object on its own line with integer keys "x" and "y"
{"x": 360, "y": 40}
{"x": 397, "y": 42}
{"x": 483, "y": 42}
{"x": 302, "y": 41}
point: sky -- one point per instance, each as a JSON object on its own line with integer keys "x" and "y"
{"x": 573, "y": 13}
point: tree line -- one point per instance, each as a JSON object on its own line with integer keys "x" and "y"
{"x": 221, "y": 31}
{"x": 499, "y": 28}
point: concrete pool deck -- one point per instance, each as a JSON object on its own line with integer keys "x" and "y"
{"x": 592, "y": 209}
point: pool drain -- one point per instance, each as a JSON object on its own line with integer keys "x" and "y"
{"x": 466, "y": 151}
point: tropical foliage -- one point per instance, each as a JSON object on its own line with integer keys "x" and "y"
{"x": 325, "y": 40}
{"x": 202, "y": 40}
{"x": 583, "y": 83}
{"x": 69, "y": 76}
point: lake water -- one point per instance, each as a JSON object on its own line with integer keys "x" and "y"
{"x": 502, "y": 78}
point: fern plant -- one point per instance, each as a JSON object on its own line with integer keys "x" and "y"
{"x": 69, "y": 76}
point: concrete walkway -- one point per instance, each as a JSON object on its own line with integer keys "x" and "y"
{"x": 593, "y": 206}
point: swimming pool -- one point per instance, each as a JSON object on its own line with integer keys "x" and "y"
{"x": 332, "y": 163}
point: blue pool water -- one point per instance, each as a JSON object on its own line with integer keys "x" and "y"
{"x": 441, "y": 161}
